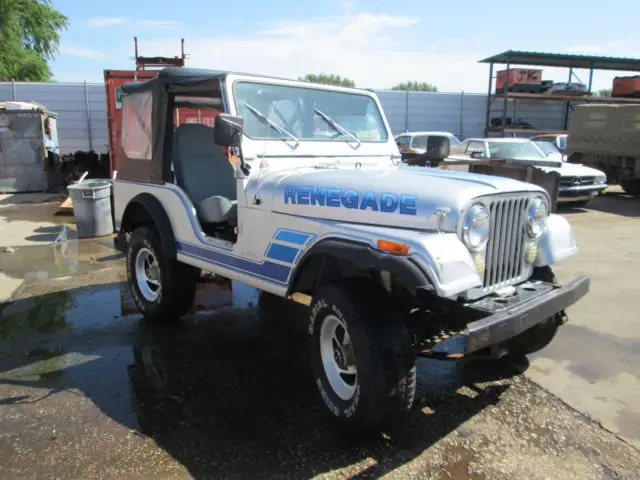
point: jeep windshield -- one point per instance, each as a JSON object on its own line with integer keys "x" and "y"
{"x": 307, "y": 114}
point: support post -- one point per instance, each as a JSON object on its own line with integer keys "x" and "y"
{"x": 88, "y": 112}
{"x": 488, "y": 112}
{"x": 590, "y": 78}
{"x": 462, "y": 114}
{"x": 506, "y": 97}
{"x": 565, "y": 117}
{"x": 406, "y": 112}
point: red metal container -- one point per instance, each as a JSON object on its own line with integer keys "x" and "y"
{"x": 518, "y": 76}
{"x": 113, "y": 81}
{"x": 626, "y": 86}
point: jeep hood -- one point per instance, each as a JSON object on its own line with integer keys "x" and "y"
{"x": 403, "y": 197}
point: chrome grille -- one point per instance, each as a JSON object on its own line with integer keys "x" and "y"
{"x": 574, "y": 181}
{"x": 505, "y": 250}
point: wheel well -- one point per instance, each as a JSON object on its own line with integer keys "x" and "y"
{"x": 334, "y": 260}
{"x": 147, "y": 210}
{"x": 136, "y": 215}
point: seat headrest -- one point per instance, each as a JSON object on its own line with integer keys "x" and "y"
{"x": 196, "y": 137}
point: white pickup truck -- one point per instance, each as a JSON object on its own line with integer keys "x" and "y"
{"x": 394, "y": 262}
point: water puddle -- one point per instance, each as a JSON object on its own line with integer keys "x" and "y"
{"x": 64, "y": 255}
{"x": 48, "y": 212}
{"x": 99, "y": 306}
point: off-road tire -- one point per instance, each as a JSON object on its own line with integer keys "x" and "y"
{"x": 538, "y": 337}
{"x": 178, "y": 280}
{"x": 386, "y": 373}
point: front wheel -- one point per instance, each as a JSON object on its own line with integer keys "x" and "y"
{"x": 162, "y": 288}
{"x": 361, "y": 356}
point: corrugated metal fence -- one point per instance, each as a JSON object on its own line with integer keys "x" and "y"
{"x": 81, "y": 109}
{"x": 82, "y": 115}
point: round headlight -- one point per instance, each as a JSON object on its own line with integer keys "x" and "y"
{"x": 600, "y": 180}
{"x": 475, "y": 231}
{"x": 536, "y": 217}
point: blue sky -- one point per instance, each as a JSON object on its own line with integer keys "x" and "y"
{"x": 376, "y": 43}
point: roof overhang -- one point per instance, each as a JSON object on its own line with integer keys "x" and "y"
{"x": 514, "y": 57}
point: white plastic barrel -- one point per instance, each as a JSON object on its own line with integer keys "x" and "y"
{"x": 92, "y": 207}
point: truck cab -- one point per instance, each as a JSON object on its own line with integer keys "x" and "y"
{"x": 298, "y": 190}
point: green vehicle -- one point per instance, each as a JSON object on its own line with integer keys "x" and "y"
{"x": 607, "y": 137}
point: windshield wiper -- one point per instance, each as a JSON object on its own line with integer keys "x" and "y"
{"x": 275, "y": 126}
{"x": 336, "y": 125}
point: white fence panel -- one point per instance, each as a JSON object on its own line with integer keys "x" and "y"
{"x": 463, "y": 114}
{"x": 82, "y": 116}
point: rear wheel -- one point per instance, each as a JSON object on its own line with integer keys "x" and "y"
{"x": 162, "y": 288}
{"x": 361, "y": 356}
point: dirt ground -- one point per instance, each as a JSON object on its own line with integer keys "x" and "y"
{"x": 594, "y": 363}
{"x": 88, "y": 390}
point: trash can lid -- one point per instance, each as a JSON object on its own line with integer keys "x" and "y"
{"x": 95, "y": 184}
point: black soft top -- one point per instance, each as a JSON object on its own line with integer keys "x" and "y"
{"x": 174, "y": 76}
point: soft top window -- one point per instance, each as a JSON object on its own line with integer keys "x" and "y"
{"x": 137, "y": 110}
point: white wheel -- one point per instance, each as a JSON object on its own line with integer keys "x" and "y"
{"x": 147, "y": 271}
{"x": 338, "y": 359}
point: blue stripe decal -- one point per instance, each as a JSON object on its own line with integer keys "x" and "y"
{"x": 282, "y": 253}
{"x": 292, "y": 237}
{"x": 267, "y": 270}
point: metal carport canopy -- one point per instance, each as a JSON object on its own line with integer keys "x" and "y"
{"x": 515, "y": 57}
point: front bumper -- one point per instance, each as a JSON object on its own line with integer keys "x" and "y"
{"x": 517, "y": 316}
{"x": 585, "y": 192}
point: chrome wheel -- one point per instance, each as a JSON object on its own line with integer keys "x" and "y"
{"x": 336, "y": 351}
{"x": 147, "y": 272}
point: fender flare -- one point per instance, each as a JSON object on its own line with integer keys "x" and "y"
{"x": 158, "y": 216}
{"x": 410, "y": 275}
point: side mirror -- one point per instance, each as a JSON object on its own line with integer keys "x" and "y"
{"x": 227, "y": 130}
{"x": 438, "y": 147}
{"x": 477, "y": 155}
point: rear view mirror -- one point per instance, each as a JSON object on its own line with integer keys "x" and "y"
{"x": 477, "y": 155}
{"x": 228, "y": 130}
{"x": 437, "y": 147}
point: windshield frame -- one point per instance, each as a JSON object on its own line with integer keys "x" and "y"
{"x": 383, "y": 127}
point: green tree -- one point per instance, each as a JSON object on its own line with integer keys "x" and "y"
{"x": 605, "y": 92}
{"x": 416, "y": 87}
{"x": 328, "y": 79}
{"x": 29, "y": 38}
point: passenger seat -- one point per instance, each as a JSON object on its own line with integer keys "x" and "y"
{"x": 203, "y": 170}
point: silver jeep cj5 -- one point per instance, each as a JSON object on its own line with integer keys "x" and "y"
{"x": 394, "y": 262}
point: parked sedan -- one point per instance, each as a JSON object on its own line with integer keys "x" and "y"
{"x": 578, "y": 183}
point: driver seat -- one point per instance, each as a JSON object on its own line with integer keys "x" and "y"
{"x": 204, "y": 171}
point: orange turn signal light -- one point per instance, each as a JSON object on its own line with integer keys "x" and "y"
{"x": 393, "y": 247}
